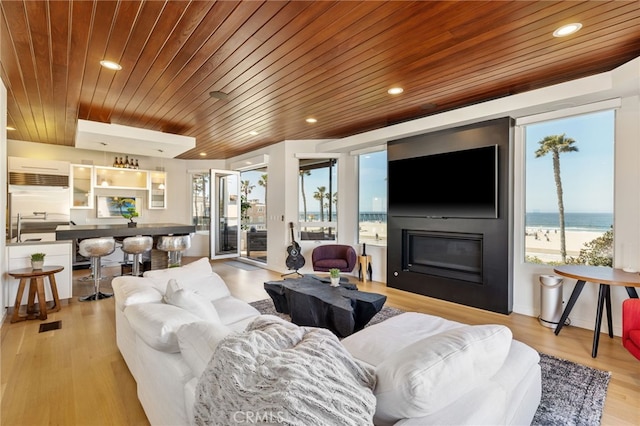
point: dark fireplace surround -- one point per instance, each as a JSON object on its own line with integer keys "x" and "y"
{"x": 462, "y": 260}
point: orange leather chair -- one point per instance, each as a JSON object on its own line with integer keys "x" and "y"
{"x": 631, "y": 326}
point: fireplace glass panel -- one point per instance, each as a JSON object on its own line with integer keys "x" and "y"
{"x": 444, "y": 254}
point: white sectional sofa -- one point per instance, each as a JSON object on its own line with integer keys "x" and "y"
{"x": 428, "y": 370}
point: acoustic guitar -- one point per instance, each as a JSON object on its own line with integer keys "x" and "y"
{"x": 295, "y": 260}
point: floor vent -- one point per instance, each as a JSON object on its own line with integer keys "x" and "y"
{"x": 50, "y": 326}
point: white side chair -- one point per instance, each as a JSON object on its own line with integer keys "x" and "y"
{"x": 174, "y": 245}
{"x": 137, "y": 246}
{"x": 95, "y": 249}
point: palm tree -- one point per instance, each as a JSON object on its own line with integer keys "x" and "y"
{"x": 245, "y": 188}
{"x": 555, "y": 145}
{"x": 263, "y": 183}
{"x": 304, "y": 173}
{"x": 319, "y": 195}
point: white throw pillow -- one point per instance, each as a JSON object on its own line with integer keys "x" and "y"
{"x": 232, "y": 310}
{"x": 134, "y": 290}
{"x": 187, "y": 299}
{"x": 211, "y": 286}
{"x": 160, "y": 277}
{"x": 433, "y": 372}
{"x": 198, "y": 341}
{"x": 156, "y": 324}
{"x": 172, "y": 287}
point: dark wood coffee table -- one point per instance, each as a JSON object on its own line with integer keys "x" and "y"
{"x": 311, "y": 301}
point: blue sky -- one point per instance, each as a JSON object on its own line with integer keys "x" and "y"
{"x": 373, "y": 182}
{"x": 253, "y": 176}
{"x": 587, "y": 175}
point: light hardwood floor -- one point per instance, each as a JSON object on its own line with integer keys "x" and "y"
{"x": 76, "y": 376}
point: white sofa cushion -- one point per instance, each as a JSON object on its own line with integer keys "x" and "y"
{"x": 197, "y": 268}
{"x": 196, "y": 276}
{"x": 211, "y": 287}
{"x": 233, "y": 310}
{"x": 198, "y": 340}
{"x": 134, "y": 290}
{"x": 187, "y": 299}
{"x": 156, "y": 324}
{"x": 431, "y": 373}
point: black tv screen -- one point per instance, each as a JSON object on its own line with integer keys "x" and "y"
{"x": 458, "y": 184}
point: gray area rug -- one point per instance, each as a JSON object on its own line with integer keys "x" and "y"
{"x": 241, "y": 265}
{"x": 572, "y": 394}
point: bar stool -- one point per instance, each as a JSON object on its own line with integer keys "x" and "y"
{"x": 174, "y": 245}
{"x": 136, "y": 246}
{"x": 96, "y": 248}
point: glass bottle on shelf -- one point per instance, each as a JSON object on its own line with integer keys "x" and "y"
{"x": 115, "y": 162}
{"x": 137, "y": 166}
{"x": 126, "y": 162}
{"x": 120, "y": 164}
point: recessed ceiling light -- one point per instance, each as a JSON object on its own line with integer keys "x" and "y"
{"x": 568, "y": 29}
{"x": 218, "y": 95}
{"x": 253, "y": 133}
{"x": 311, "y": 120}
{"x": 203, "y": 154}
{"x": 10, "y": 128}
{"x": 395, "y": 90}
{"x": 111, "y": 65}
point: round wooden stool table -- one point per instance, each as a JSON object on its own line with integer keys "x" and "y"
{"x": 36, "y": 288}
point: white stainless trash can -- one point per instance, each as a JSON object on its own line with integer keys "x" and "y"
{"x": 550, "y": 300}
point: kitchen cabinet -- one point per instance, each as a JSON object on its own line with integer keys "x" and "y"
{"x": 81, "y": 177}
{"x": 157, "y": 190}
{"x": 112, "y": 177}
{"x": 57, "y": 253}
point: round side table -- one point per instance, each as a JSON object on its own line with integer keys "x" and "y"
{"x": 36, "y": 288}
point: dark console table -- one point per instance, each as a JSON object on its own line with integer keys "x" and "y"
{"x": 311, "y": 301}
{"x": 74, "y": 232}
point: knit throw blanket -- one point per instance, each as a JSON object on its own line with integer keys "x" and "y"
{"x": 278, "y": 373}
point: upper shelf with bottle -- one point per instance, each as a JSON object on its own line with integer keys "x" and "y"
{"x": 114, "y": 177}
{"x": 87, "y": 179}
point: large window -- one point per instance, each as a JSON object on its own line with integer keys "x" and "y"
{"x": 253, "y": 194}
{"x": 372, "y": 203}
{"x": 318, "y": 206}
{"x": 569, "y": 190}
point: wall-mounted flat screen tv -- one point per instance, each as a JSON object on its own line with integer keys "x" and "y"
{"x": 112, "y": 206}
{"x": 458, "y": 184}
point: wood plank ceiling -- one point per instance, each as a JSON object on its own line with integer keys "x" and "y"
{"x": 282, "y": 62}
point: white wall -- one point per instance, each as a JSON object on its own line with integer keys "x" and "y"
{"x": 4, "y": 265}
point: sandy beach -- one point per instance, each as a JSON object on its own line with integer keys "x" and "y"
{"x": 545, "y": 243}
{"x": 541, "y": 243}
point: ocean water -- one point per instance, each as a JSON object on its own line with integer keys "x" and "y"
{"x": 600, "y": 222}
{"x": 573, "y": 221}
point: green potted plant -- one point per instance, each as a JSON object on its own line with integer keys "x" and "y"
{"x": 334, "y": 274}
{"x": 127, "y": 210}
{"x": 37, "y": 260}
{"x": 130, "y": 214}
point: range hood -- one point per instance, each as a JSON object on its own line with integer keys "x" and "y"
{"x": 130, "y": 140}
